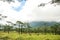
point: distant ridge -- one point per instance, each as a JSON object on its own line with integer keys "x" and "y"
{"x": 42, "y": 23}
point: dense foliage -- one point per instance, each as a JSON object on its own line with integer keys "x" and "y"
{"x": 21, "y": 27}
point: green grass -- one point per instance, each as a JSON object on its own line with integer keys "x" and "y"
{"x": 33, "y": 36}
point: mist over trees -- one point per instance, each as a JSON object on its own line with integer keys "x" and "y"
{"x": 27, "y": 28}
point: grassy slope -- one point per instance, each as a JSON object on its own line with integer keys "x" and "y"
{"x": 16, "y": 36}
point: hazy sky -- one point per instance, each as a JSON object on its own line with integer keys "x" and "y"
{"x": 29, "y": 11}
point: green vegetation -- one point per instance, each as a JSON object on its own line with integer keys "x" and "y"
{"x": 33, "y": 36}
{"x": 26, "y": 28}
{"x": 24, "y": 31}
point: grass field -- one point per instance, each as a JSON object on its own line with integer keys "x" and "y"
{"x": 33, "y": 36}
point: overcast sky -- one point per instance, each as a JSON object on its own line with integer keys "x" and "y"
{"x": 28, "y": 11}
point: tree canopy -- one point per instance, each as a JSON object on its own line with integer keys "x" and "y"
{"x": 9, "y": 1}
{"x": 51, "y": 2}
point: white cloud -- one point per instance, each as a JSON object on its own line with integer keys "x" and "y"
{"x": 48, "y": 13}
{"x": 30, "y": 11}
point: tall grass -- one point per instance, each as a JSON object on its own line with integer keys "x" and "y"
{"x": 33, "y": 36}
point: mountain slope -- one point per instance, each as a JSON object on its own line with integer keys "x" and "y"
{"x": 41, "y": 23}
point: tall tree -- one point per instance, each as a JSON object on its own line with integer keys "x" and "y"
{"x": 55, "y": 27}
{"x": 7, "y": 28}
{"x": 28, "y": 28}
{"x": 19, "y": 23}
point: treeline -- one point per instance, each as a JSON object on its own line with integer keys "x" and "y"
{"x": 21, "y": 27}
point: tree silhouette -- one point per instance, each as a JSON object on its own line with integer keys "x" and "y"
{"x": 19, "y": 23}
{"x": 51, "y": 2}
{"x": 7, "y": 28}
{"x": 2, "y": 17}
{"x": 9, "y": 1}
{"x": 28, "y": 28}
